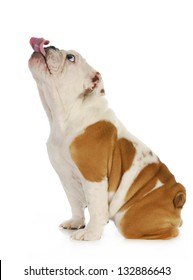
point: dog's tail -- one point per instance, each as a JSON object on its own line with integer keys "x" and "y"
{"x": 180, "y": 196}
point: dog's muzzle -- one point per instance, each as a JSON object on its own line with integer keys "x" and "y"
{"x": 52, "y": 48}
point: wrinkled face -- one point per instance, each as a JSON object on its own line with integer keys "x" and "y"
{"x": 65, "y": 71}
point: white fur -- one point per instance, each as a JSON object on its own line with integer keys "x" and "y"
{"x": 61, "y": 86}
{"x": 97, "y": 200}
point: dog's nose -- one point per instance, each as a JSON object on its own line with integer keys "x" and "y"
{"x": 51, "y": 47}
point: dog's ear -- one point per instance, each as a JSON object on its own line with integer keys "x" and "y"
{"x": 94, "y": 86}
{"x": 97, "y": 84}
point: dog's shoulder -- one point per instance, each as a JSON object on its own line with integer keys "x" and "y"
{"x": 91, "y": 150}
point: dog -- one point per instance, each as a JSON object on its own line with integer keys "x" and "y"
{"x": 100, "y": 164}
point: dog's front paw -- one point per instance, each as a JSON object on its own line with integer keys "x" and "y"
{"x": 86, "y": 234}
{"x": 73, "y": 224}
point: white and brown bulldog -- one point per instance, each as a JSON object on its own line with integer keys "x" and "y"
{"x": 100, "y": 164}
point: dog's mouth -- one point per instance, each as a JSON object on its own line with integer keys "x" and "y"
{"x": 38, "y": 44}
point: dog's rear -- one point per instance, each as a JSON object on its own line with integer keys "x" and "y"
{"x": 153, "y": 214}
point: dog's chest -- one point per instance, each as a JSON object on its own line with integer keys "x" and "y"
{"x": 59, "y": 153}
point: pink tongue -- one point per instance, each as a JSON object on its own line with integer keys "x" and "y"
{"x": 38, "y": 44}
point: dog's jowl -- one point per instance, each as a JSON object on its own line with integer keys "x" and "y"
{"x": 100, "y": 164}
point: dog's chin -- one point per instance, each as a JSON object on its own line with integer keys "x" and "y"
{"x": 37, "y": 63}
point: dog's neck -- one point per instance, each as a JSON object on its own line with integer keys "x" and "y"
{"x": 61, "y": 109}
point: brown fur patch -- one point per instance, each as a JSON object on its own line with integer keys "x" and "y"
{"x": 122, "y": 160}
{"x": 146, "y": 181}
{"x": 164, "y": 174}
{"x": 157, "y": 214}
{"x": 143, "y": 183}
{"x": 92, "y": 150}
{"x": 153, "y": 217}
{"x": 98, "y": 154}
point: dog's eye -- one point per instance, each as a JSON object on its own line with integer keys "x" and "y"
{"x": 70, "y": 57}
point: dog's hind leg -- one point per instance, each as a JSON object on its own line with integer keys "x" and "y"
{"x": 155, "y": 216}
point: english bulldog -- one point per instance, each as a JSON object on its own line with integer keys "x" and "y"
{"x": 100, "y": 164}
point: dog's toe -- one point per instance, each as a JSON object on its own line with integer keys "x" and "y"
{"x": 84, "y": 234}
{"x": 72, "y": 224}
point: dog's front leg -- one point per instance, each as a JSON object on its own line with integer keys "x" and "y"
{"x": 77, "y": 208}
{"x": 97, "y": 201}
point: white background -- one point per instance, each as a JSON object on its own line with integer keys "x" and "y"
{"x": 144, "y": 51}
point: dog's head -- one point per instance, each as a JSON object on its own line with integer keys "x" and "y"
{"x": 66, "y": 70}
